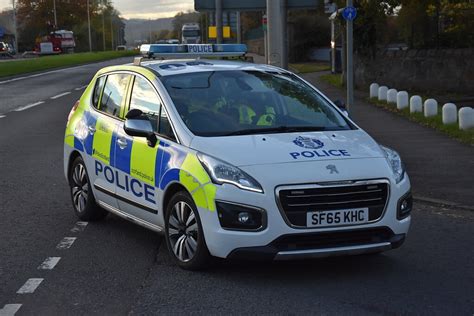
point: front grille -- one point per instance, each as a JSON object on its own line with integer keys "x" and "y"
{"x": 297, "y": 202}
{"x": 333, "y": 239}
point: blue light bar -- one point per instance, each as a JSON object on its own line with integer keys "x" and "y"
{"x": 192, "y": 50}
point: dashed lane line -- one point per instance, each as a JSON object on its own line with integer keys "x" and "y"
{"x": 49, "y": 263}
{"x": 66, "y": 243}
{"x": 80, "y": 88}
{"x": 60, "y": 95}
{"x": 79, "y": 227}
{"x": 29, "y": 106}
{"x": 9, "y": 309}
{"x": 30, "y": 286}
{"x": 2, "y": 116}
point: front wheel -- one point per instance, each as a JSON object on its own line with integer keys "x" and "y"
{"x": 184, "y": 234}
{"x": 82, "y": 197}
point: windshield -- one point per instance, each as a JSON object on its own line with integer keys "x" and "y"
{"x": 191, "y": 33}
{"x": 220, "y": 103}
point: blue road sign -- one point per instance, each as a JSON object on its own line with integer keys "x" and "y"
{"x": 349, "y": 13}
{"x": 2, "y": 32}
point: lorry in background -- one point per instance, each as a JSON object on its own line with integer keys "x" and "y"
{"x": 56, "y": 42}
{"x": 191, "y": 33}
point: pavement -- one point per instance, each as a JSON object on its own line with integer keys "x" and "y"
{"x": 114, "y": 267}
{"x": 440, "y": 168}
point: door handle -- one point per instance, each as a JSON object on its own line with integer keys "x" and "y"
{"x": 122, "y": 143}
{"x": 91, "y": 129}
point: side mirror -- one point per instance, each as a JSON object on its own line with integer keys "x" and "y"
{"x": 139, "y": 125}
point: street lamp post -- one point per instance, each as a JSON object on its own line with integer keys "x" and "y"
{"x": 103, "y": 25}
{"x": 15, "y": 28}
{"x": 55, "y": 17}
{"x": 350, "y": 65}
{"x": 89, "y": 26}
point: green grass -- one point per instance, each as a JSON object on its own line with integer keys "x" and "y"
{"x": 310, "y": 67}
{"x": 435, "y": 122}
{"x": 333, "y": 79}
{"x": 23, "y": 66}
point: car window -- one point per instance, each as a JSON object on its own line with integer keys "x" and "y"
{"x": 114, "y": 92}
{"x": 165, "y": 128}
{"x": 99, "y": 85}
{"x": 218, "y": 103}
{"x": 145, "y": 99}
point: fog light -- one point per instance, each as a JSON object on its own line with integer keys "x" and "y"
{"x": 240, "y": 217}
{"x": 244, "y": 217}
{"x": 405, "y": 204}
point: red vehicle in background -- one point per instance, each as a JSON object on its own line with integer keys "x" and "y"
{"x": 57, "y": 42}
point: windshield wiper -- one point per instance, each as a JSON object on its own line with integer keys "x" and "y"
{"x": 277, "y": 129}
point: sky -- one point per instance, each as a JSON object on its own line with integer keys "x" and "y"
{"x": 144, "y": 9}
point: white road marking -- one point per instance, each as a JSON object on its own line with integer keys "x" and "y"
{"x": 26, "y": 107}
{"x": 60, "y": 95}
{"x": 80, "y": 88}
{"x": 66, "y": 243}
{"x": 30, "y": 286}
{"x": 9, "y": 309}
{"x": 49, "y": 263}
{"x": 79, "y": 227}
{"x": 42, "y": 74}
{"x": 2, "y": 116}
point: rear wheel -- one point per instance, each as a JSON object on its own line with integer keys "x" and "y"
{"x": 184, "y": 234}
{"x": 82, "y": 197}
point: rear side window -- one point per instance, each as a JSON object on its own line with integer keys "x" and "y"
{"x": 99, "y": 86}
{"x": 114, "y": 92}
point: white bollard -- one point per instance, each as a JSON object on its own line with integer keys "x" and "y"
{"x": 402, "y": 100}
{"x": 392, "y": 96}
{"x": 374, "y": 90}
{"x": 466, "y": 118}
{"x": 431, "y": 107}
{"x": 450, "y": 113}
{"x": 382, "y": 93}
{"x": 416, "y": 104}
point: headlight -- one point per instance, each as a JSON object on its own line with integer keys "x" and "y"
{"x": 222, "y": 172}
{"x": 395, "y": 162}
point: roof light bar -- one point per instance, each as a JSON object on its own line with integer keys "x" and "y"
{"x": 192, "y": 50}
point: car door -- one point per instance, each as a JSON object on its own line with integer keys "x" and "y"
{"x": 102, "y": 123}
{"x": 137, "y": 159}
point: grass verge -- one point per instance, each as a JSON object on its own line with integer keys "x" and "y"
{"x": 310, "y": 67}
{"x": 333, "y": 79}
{"x": 17, "y": 67}
{"x": 435, "y": 122}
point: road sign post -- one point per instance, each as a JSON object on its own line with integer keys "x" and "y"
{"x": 349, "y": 14}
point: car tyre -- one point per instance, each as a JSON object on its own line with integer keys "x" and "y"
{"x": 184, "y": 234}
{"x": 82, "y": 196}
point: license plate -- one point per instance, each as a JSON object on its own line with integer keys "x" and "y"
{"x": 353, "y": 216}
{"x": 199, "y": 48}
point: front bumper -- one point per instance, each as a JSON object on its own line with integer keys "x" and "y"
{"x": 320, "y": 245}
{"x": 224, "y": 243}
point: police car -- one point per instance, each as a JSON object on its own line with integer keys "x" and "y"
{"x": 231, "y": 159}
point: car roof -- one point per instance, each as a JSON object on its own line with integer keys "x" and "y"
{"x": 180, "y": 66}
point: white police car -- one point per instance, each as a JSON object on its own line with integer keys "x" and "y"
{"x": 232, "y": 160}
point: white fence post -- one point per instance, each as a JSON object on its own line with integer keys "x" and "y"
{"x": 416, "y": 104}
{"x": 450, "y": 113}
{"x": 392, "y": 96}
{"x": 466, "y": 118}
{"x": 374, "y": 90}
{"x": 402, "y": 100}
{"x": 431, "y": 107}
{"x": 382, "y": 93}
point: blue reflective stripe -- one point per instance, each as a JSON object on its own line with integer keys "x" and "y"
{"x": 170, "y": 176}
{"x": 91, "y": 120}
{"x": 123, "y": 156}
{"x": 77, "y": 144}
